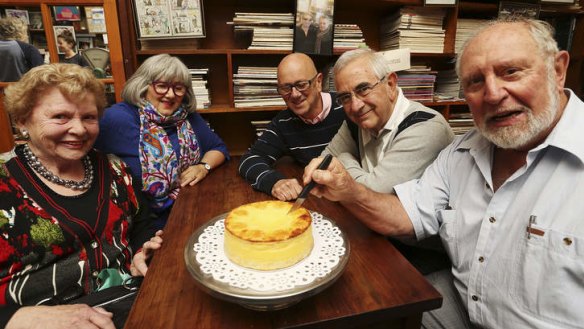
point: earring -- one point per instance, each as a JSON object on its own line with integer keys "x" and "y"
{"x": 24, "y": 133}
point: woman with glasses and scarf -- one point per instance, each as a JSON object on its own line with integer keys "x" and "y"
{"x": 158, "y": 133}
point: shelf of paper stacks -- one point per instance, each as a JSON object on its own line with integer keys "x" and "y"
{"x": 267, "y": 31}
{"x": 255, "y": 86}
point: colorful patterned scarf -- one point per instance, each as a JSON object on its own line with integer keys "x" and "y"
{"x": 161, "y": 167}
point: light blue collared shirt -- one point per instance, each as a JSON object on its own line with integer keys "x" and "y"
{"x": 505, "y": 279}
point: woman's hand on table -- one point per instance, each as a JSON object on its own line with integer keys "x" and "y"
{"x": 139, "y": 265}
{"x": 193, "y": 174}
{"x": 76, "y": 316}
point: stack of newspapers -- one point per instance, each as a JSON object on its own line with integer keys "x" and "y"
{"x": 256, "y": 86}
{"x": 270, "y": 31}
{"x": 347, "y": 37}
{"x": 417, "y": 28}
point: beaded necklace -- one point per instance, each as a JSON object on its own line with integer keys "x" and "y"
{"x": 38, "y": 167}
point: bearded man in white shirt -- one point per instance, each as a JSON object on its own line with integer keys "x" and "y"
{"x": 506, "y": 198}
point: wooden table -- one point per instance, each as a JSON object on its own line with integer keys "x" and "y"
{"x": 379, "y": 288}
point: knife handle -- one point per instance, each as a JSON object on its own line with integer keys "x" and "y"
{"x": 323, "y": 165}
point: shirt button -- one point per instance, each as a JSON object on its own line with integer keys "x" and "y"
{"x": 481, "y": 259}
{"x": 567, "y": 241}
{"x": 94, "y": 244}
{"x": 475, "y": 297}
{"x": 95, "y": 274}
{"x": 492, "y": 219}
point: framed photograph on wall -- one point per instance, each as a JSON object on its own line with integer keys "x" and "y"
{"x": 58, "y": 30}
{"x": 36, "y": 20}
{"x": 84, "y": 43}
{"x": 18, "y": 13}
{"x": 67, "y": 13}
{"x": 314, "y": 30}
{"x": 171, "y": 18}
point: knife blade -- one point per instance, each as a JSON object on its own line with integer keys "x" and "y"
{"x": 306, "y": 189}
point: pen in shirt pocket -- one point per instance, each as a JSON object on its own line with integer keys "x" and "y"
{"x": 531, "y": 229}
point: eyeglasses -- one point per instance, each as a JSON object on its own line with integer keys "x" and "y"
{"x": 161, "y": 88}
{"x": 360, "y": 92}
{"x": 303, "y": 85}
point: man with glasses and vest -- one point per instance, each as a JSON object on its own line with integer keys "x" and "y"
{"x": 387, "y": 139}
{"x": 302, "y": 130}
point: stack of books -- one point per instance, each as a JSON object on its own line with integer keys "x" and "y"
{"x": 417, "y": 28}
{"x": 259, "y": 126}
{"x": 270, "y": 31}
{"x": 465, "y": 27}
{"x": 461, "y": 122}
{"x": 448, "y": 86}
{"x": 417, "y": 83}
{"x": 256, "y": 86}
{"x": 200, "y": 89}
{"x": 347, "y": 37}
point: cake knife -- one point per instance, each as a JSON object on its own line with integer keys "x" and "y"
{"x": 306, "y": 189}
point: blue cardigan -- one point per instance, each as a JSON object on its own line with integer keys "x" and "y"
{"x": 120, "y": 134}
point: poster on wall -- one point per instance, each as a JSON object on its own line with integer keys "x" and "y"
{"x": 67, "y": 13}
{"x": 169, "y": 18}
{"x": 313, "y": 33}
{"x": 95, "y": 19}
{"x": 18, "y": 13}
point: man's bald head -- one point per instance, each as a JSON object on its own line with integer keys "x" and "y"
{"x": 296, "y": 70}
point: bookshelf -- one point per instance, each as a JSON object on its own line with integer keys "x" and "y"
{"x": 223, "y": 52}
{"x": 45, "y": 8}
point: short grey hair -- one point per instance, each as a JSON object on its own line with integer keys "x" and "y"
{"x": 541, "y": 32}
{"x": 378, "y": 63}
{"x": 159, "y": 67}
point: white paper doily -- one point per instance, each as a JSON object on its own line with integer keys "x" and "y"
{"x": 329, "y": 248}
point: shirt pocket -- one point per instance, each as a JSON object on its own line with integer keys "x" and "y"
{"x": 549, "y": 279}
{"x": 447, "y": 233}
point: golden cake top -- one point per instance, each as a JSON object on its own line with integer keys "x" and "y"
{"x": 267, "y": 221}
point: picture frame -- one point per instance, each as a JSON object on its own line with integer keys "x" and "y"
{"x": 95, "y": 17}
{"x": 157, "y": 19}
{"x": 314, "y": 27}
{"x": 57, "y": 30}
{"x": 441, "y": 3}
{"x": 35, "y": 20}
{"x": 18, "y": 13}
{"x": 84, "y": 43}
{"x": 67, "y": 13}
{"x": 508, "y": 8}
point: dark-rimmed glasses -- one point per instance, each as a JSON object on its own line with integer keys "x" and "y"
{"x": 161, "y": 88}
{"x": 302, "y": 85}
{"x": 360, "y": 92}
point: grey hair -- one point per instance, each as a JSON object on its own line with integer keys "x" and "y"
{"x": 160, "y": 67}
{"x": 541, "y": 32}
{"x": 378, "y": 63}
{"x": 12, "y": 28}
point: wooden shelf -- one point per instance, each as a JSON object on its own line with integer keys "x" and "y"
{"x": 224, "y": 52}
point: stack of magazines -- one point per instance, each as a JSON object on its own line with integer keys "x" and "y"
{"x": 465, "y": 27}
{"x": 417, "y": 28}
{"x": 256, "y": 86}
{"x": 199, "y": 80}
{"x": 347, "y": 37}
{"x": 417, "y": 83}
{"x": 270, "y": 31}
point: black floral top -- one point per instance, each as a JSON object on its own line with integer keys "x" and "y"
{"x": 49, "y": 242}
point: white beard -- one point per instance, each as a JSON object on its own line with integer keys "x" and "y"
{"x": 516, "y": 137}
